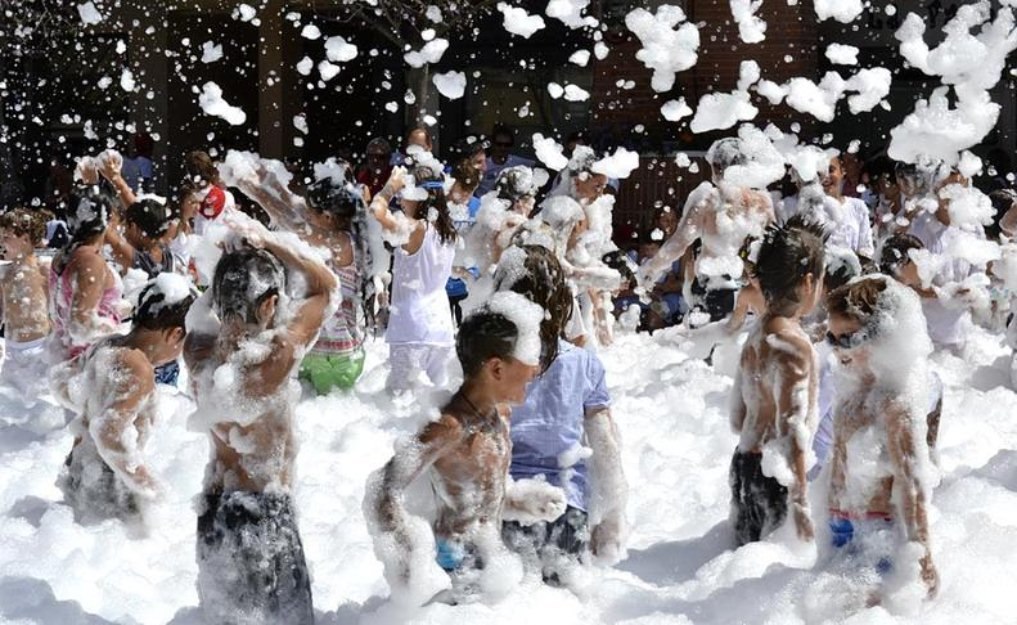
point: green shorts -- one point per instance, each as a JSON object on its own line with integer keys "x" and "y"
{"x": 329, "y": 371}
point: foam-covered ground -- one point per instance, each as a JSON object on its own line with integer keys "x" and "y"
{"x": 680, "y": 568}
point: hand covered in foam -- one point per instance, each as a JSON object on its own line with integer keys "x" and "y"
{"x": 110, "y": 163}
{"x": 606, "y": 539}
{"x": 87, "y": 170}
{"x": 530, "y": 501}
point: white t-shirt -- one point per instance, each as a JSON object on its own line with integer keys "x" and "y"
{"x": 847, "y": 222}
{"x": 420, "y": 311}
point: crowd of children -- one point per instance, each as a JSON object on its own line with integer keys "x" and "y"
{"x": 839, "y": 306}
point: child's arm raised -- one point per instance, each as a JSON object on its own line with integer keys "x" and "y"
{"x": 123, "y": 251}
{"x": 115, "y": 431}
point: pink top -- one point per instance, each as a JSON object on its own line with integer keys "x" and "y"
{"x": 61, "y": 297}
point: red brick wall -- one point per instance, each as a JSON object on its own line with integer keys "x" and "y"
{"x": 791, "y": 32}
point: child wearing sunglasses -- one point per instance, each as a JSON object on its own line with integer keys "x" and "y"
{"x": 880, "y": 474}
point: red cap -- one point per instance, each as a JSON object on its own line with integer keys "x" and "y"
{"x": 213, "y": 204}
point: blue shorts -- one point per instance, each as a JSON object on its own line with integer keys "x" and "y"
{"x": 844, "y": 531}
{"x": 455, "y": 556}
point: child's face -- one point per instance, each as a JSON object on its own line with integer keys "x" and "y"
{"x": 590, "y": 186}
{"x": 14, "y": 247}
{"x": 841, "y": 327}
{"x": 513, "y": 375}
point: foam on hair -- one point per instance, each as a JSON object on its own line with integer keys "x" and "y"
{"x": 243, "y": 280}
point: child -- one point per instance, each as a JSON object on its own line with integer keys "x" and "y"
{"x": 420, "y": 329}
{"x": 23, "y": 303}
{"x": 775, "y": 387}
{"x": 245, "y": 340}
{"x": 112, "y": 390}
{"x": 85, "y": 295}
{"x": 466, "y": 454}
{"x": 880, "y": 470}
{"x": 567, "y": 407}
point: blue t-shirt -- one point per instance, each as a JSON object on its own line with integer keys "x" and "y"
{"x": 550, "y": 422}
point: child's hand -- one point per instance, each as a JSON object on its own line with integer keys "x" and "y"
{"x": 87, "y": 171}
{"x": 929, "y": 574}
{"x": 397, "y": 180}
{"x": 110, "y": 164}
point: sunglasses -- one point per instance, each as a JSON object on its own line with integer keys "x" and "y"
{"x": 847, "y": 341}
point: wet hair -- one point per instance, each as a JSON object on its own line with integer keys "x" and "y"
{"x": 787, "y": 254}
{"x": 484, "y": 335}
{"x": 466, "y": 174}
{"x": 515, "y": 183}
{"x": 842, "y": 267}
{"x": 23, "y": 222}
{"x": 895, "y": 252}
{"x": 857, "y": 299}
{"x": 621, "y": 263}
{"x": 88, "y": 213}
{"x": 153, "y": 313}
{"x": 726, "y": 153}
{"x": 335, "y": 198}
{"x": 243, "y": 280}
{"x": 199, "y": 166}
{"x": 152, "y": 217}
{"x": 435, "y": 199}
{"x": 541, "y": 280}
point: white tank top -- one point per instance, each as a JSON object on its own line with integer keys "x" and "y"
{"x": 420, "y": 310}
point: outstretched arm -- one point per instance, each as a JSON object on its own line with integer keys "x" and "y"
{"x": 388, "y": 520}
{"x": 689, "y": 229}
{"x": 907, "y": 481}
{"x": 110, "y": 165}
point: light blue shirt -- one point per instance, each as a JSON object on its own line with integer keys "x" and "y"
{"x": 550, "y": 422}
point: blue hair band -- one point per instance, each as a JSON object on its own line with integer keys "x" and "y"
{"x": 433, "y": 185}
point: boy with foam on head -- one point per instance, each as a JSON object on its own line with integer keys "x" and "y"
{"x": 466, "y": 454}
{"x": 775, "y": 388}
{"x": 112, "y": 389}
{"x": 246, "y": 337}
{"x": 23, "y": 303}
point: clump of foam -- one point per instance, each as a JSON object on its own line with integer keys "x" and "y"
{"x": 670, "y": 44}
{"x": 526, "y": 316}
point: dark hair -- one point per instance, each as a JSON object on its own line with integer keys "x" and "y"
{"x": 501, "y": 130}
{"x": 152, "y": 217}
{"x": 856, "y": 300}
{"x": 243, "y": 280}
{"x": 727, "y": 152}
{"x": 787, "y": 254}
{"x": 542, "y": 281}
{"x": 335, "y": 198}
{"x": 621, "y": 263}
{"x": 88, "y": 210}
{"x": 840, "y": 273}
{"x": 468, "y": 147}
{"x": 436, "y": 200}
{"x": 466, "y": 174}
{"x": 152, "y": 313}
{"x": 416, "y": 129}
{"x": 484, "y": 335}
{"x": 199, "y": 166}
{"x": 895, "y": 252}
{"x": 21, "y": 222}
{"x": 515, "y": 183}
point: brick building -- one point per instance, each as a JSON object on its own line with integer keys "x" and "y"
{"x": 161, "y": 44}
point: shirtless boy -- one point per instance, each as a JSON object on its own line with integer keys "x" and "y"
{"x": 23, "y": 300}
{"x": 721, "y": 217}
{"x": 776, "y": 385}
{"x": 244, "y": 344}
{"x": 466, "y": 454}
{"x": 111, "y": 387}
{"x": 878, "y": 484}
